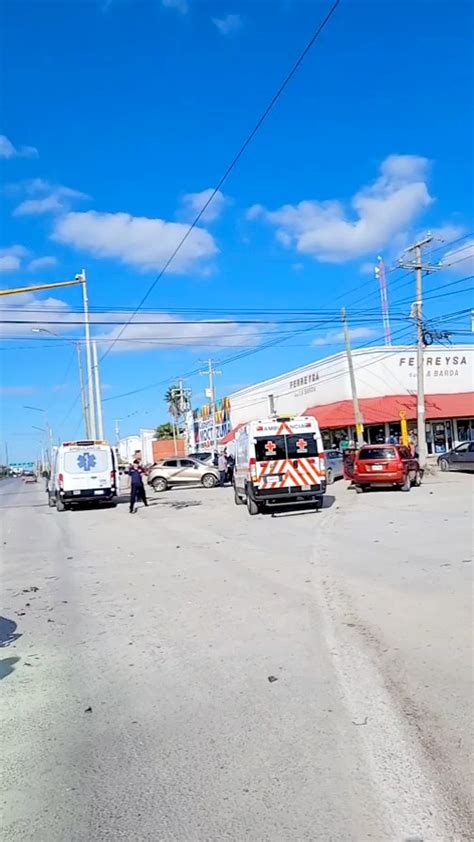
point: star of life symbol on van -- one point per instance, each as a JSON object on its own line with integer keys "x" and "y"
{"x": 270, "y": 447}
{"x": 86, "y": 461}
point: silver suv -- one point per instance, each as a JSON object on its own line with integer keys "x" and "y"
{"x": 182, "y": 471}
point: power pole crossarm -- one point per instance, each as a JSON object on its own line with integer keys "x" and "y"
{"x": 359, "y": 424}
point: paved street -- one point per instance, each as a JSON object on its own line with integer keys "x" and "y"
{"x": 191, "y": 673}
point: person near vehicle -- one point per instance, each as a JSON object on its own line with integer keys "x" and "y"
{"x": 230, "y": 468}
{"x": 137, "y": 489}
{"x": 222, "y": 467}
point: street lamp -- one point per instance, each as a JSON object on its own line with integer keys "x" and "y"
{"x": 47, "y": 430}
{"x": 77, "y": 345}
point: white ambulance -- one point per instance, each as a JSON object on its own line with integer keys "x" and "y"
{"x": 82, "y": 471}
{"x": 278, "y": 462}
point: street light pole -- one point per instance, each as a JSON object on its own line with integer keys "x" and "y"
{"x": 98, "y": 396}
{"x": 90, "y": 381}
{"x": 77, "y": 345}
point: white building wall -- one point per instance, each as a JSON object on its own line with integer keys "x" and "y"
{"x": 379, "y": 371}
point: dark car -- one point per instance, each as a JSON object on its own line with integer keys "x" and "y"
{"x": 460, "y": 458}
{"x": 386, "y": 465}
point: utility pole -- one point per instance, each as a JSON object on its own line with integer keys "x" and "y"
{"x": 87, "y": 329}
{"x": 98, "y": 395}
{"x": 355, "y": 400}
{"x": 85, "y": 408}
{"x": 6, "y": 455}
{"x": 211, "y": 394}
{"x": 417, "y": 265}
{"x": 117, "y": 429}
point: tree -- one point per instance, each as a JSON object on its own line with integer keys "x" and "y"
{"x": 164, "y": 431}
{"x": 173, "y": 399}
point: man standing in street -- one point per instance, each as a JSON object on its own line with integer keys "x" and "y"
{"x": 222, "y": 467}
{"x": 137, "y": 489}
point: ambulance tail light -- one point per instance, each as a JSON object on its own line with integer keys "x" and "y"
{"x": 61, "y": 480}
{"x": 112, "y": 479}
{"x": 253, "y": 469}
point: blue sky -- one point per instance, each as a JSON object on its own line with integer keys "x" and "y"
{"x": 118, "y": 115}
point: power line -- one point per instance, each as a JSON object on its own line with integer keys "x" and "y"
{"x": 234, "y": 161}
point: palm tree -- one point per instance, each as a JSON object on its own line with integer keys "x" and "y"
{"x": 173, "y": 399}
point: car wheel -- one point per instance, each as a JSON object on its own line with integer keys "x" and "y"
{"x": 329, "y": 476}
{"x": 209, "y": 481}
{"x": 360, "y": 489}
{"x": 444, "y": 465}
{"x": 60, "y": 507}
{"x": 237, "y": 499}
{"x": 159, "y": 484}
{"x": 406, "y": 484}
{"x": 252, "y": 507}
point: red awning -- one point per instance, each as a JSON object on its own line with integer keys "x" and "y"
{"x": 387, "y": 408}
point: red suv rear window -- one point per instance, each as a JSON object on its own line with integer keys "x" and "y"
{"x": 375, "y": 453}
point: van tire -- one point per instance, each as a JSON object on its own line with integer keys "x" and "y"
{"x": 252, "y": 507}
{"x": 60, "y": 507}
{"x": 329, "y": 476}
{"x": 237, "y": 498}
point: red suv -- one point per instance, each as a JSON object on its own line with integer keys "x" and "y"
{"x": 386, "y": 464}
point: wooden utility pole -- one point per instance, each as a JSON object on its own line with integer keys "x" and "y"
{"x": 359, "y": 424}
{"x": 417, "y": 265}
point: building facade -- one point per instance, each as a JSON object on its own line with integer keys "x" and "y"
{"x": 386, "y": 386}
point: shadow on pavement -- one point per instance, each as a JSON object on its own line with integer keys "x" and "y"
{"x": 7, "y": 666}
{"x": 300, "y": 508}
{"x": 8, "y": 633}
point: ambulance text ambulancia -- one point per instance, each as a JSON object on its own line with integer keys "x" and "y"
{"x": 279, "y": 461}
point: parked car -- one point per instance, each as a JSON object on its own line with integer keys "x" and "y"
{"x": 183, "y": 471}
{"x": 202, "y": 455}
{"x": 30, "y": 476}
{"x": 460, "y": 458}
{"x": 334, "y": 469}
{"x": 389, "y": 465}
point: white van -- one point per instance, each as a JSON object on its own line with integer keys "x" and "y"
{"x": 82, "y": 471}
{"x": 278, "y": 462}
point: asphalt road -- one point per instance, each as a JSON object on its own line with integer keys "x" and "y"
{"x": 191, "y": 673}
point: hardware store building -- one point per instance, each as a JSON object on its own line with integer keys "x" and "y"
{"x": 386, "y": 386}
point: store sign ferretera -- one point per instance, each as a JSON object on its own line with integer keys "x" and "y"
{"x": 441, "y": 365}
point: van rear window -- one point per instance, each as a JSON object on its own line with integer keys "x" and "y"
{"x": 377, "y": 453}
{"x": 85, "y": 461}
{"x": 285, "y": 447}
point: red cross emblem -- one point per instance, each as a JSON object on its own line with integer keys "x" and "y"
{"x": 301, "y": 444}
{"x": 270, "y": 447}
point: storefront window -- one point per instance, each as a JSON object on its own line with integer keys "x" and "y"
{"x": 375, "y": 434}
{"x": 465, "y": 429}
{"x": 394, "y": 432}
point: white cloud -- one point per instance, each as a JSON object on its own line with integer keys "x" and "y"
{"x": 177, "y": 333}
{"x": 136, "y": 241}
{"x": 228, "y": 24}
{"x": 9, "y": 263}
{"x": 18, "y": 390}
{"x": 181, "y": 6}
{"x": 168, "y": 331}
{"x": 11, "y": 257}
{"x": 378, "y": 213}
{"x": 336, "y": 337}
{"x": 8, "y": 150}
{"x": 42, "y": 263}
{"x": 194, "y": 202}
{"x": 53, "y": 198}
{"x": 28, "y": 307}
{"x": 461, "y": 258}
